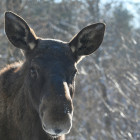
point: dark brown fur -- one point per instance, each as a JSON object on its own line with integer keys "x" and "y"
{"x": 39, "y": 91}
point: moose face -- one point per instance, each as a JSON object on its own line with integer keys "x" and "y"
{"x": 51, "y": 69}
{"x": 52, "y": 72}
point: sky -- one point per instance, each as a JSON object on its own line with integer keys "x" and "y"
{"x": 134, "y": 11}
{"x": 130, "y": 5}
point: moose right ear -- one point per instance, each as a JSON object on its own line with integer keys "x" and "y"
{"x": 19, "y": 33}
{"x": 87, "y": 40}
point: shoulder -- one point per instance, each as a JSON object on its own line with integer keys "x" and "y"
{"x": 8, "y": 76}
{"x": 10, "y": 68}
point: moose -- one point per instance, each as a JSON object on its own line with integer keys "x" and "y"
{"x": 36, "y": 94}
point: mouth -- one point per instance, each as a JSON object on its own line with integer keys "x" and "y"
{"x": 51, "y": 135}
{"x": 54, "y": 136}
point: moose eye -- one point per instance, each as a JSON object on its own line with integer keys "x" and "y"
{"x": 33, "y": 72}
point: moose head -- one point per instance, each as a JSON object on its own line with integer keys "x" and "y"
{"x": 50, "y": 69}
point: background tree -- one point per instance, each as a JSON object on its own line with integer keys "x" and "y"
{"x": 107, "y": 101}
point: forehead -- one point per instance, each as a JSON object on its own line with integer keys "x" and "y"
{"x": 53, "y": 51}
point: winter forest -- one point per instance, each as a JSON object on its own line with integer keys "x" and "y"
{"x": 107, "y": 96}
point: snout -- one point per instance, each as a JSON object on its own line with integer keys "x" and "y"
{"x": 56, "y": 108}
{"x": 56, "y": 116}
{"x": 56, "y": 123}
{"x": 57, "y": 127}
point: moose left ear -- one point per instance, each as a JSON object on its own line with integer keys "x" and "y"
{"x": 19, "y": 33}
{"x": 87, "y": 40}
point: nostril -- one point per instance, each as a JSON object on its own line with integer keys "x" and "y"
{"x": 57, "y": 131}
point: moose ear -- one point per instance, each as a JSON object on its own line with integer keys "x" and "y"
{"x": 87, "y": 40}
{"x": 19, "y": 33}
